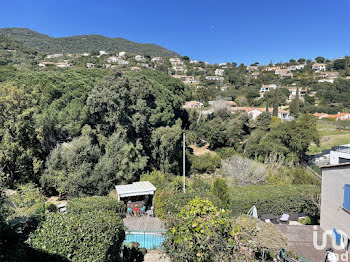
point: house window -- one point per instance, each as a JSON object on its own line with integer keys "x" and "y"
{"x": 346, "y": 202}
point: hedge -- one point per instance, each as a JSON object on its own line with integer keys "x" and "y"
{"x": 95, "y": 203}
{"x": 86, "y": 236}
{"x": 275, "y": 199}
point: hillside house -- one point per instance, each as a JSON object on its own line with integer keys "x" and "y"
{"x": 157, "y": 59}
{"x": 326, "y": 80}
{"x": 139, "y": 58}
{"x": 320, "y": 115}
{"x": 54, "y": 56}
{"x": 254, "y": 112}
{"x": 63, "y": 65}
{"x": 90, "y": 65}
{"x": 214, "y": 78}
{"x": 176, "y": 61}
{"x": 178, "y": 69}
{"x": 102, "y": 52}
{"x": 282, "y": 71}
{"x": 186, "y": 79}
{"x": 255, "y": 74}
{"x": 319, "y": 67}
{"x": 135, "y": 68}
{"x": 194, "y": 62}
{"x": 329, "y": 74}
{"x": 267, "y": 88}
{"x": 295, "y": 67}
{"x": 272, "y": 68}
{"x": 192, "y": 104}
{"x": 222, "y": 65}
{"x": 113, "y": 59}
{"x": 286, "y": 76}
{"x": 219, "y": 72}
{"x": 340, "y": 116}
{"x": 293, "y": 93}
{"x": 252, "y": 68}
{"x": 44, "y": 63}
{"x": 121, "y": 54}
{"x": 335, "y": 204}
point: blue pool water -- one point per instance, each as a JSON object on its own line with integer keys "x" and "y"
{"x": 146, "y": 240}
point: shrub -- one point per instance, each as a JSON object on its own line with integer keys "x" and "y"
{"x": 275, "y": 199}
{"x": 96, "y": 203}
{"x": 28, "y": 201}
{"x": 302, "y": 176}
{"x": 225, "y": 152}
{"x": 132, "y": 252}
{"x": 201, "y": 232}
{"x": 220, "y": 189}
{"x": 85, "y": 236}
{"x": 206, "y": 163}
{"x": 243, "y": 171}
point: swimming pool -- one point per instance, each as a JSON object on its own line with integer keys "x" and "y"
{"x": 146, "y": 240}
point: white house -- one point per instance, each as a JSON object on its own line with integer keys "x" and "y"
{"x": 103, "y": 52}
{"x": 54, "y": 56}
{"x": 219, "y": 72}
{"x": 295, "y": 67}
{"x": 214, "y": 78}
{"x": 326, "y": 80}
{"x": 63, "y": 65}
{"x": 139, "y": 58}
{"x": 267, "y": 88}
{"x": 90, "y": 65}
{"x": 121, "y": 54}
{"x": 157, "y": 59}
{"x": 319, "y": 67}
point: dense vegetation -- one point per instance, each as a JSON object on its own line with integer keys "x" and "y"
{"x": 83, "y": 233}
{"x": 201, "y": 232}
{"x": 74, "y": 133}
{"x": 81, "y": 44}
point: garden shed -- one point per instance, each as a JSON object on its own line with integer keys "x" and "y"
{"x": 144, "y": 188}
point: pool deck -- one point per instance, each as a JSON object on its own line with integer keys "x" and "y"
{"x": 144, "y": 224}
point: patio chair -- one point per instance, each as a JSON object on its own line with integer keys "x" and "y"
{"x": 129, "y": 211}
{"x": 284, "y": 219}
{"x": 142, "y": 210}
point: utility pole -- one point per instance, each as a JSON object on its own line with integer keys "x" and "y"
{"x": 184, "y": 162}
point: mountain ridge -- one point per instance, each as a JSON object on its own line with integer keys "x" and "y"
{"x": 82, "y": 43}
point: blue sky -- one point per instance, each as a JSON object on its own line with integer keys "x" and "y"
{"x": 242, "y": 31}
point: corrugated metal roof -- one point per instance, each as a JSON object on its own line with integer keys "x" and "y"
{"x": 136, "y": 189}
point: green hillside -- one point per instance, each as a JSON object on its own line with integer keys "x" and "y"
{"x": 82, "y": 43}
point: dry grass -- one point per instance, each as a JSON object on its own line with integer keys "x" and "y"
{"x": 198, "y": 151}
{"x": 55, "y": 200}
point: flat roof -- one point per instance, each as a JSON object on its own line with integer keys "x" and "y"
{"x": 135, "y": 189}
